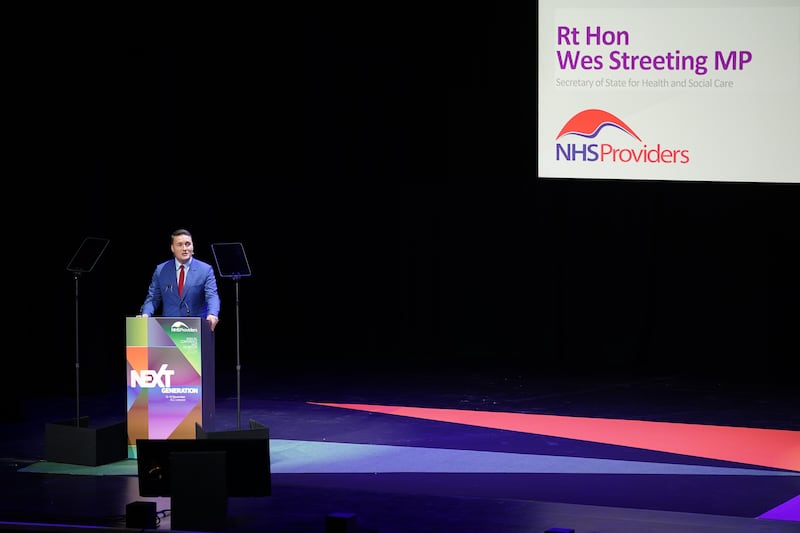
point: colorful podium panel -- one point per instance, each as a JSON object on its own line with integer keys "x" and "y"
{"x": 170, "y": 376}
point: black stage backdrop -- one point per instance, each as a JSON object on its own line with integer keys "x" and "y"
{"x": 378, "y": 166}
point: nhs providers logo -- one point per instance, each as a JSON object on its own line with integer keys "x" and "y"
{"x": 181, "y": 327}
{"x": 580, "y": 140}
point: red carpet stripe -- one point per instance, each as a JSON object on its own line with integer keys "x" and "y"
{"x": 772, "y": 448}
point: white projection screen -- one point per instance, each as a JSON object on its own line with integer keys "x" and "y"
{"x": 688, "y": 90}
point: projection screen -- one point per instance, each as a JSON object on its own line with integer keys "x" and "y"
{"x": 688, "y": 90}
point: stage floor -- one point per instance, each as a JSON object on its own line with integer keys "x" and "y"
{"x": 468, "y": 452}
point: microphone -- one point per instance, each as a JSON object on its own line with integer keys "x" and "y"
{"x": 187, "y": 308}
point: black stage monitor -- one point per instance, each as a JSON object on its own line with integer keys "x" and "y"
{"x": 256, "y": 431}
{"x": 247, "y": 464}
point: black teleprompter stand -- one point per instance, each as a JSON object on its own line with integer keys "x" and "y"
{"x": 232, "y": 263}
{"x": 73, "y": 441}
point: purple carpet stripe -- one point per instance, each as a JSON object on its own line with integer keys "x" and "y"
{"x": 786, "y": 511}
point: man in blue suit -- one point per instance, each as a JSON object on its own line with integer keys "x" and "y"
{"x": 183, "y": 286}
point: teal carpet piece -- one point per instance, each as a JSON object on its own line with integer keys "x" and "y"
{"x": 313, "y": 457}
{"x": 126, "y": 467}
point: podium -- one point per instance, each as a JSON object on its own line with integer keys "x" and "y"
{"x": 170, "y": 377}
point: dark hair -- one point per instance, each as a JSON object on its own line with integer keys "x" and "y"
{"x": 180, "y": 231}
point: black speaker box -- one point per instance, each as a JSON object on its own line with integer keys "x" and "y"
{"x": 141, "y": 515}
{"x": 76, "y": 443}
{"x": 199, "y": 490}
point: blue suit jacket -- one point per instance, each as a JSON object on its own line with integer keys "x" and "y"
{"x": 200, "y": 296}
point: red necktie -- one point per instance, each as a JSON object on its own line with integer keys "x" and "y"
{"x": 180, "y": 283}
